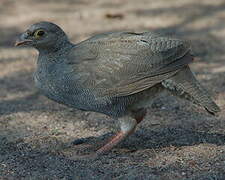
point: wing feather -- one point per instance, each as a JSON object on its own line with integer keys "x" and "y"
{"x": 121, "y": 64}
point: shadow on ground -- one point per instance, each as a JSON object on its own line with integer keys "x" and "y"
{"x": 27, "y": 161}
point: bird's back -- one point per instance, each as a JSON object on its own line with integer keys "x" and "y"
{"x": 109, "y": 73}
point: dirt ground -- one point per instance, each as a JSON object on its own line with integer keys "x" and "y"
{"x": 177, "y": 140}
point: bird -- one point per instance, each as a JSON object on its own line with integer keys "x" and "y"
{"x": 115, "y": 73}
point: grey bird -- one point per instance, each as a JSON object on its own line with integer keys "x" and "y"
{"x": 117, "y": 74}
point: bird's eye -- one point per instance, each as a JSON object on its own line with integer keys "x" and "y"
{"x": 39, "y": 33}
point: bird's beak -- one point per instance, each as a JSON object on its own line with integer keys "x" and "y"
{"x": 18, "y": 43}
{"x": 22, "y": 40}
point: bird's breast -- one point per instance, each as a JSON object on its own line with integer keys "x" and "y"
{"x": 45, "y": 83}
{"x": 63, "y": 89}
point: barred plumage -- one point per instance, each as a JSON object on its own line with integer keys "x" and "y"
{"x": 117, "y": 74}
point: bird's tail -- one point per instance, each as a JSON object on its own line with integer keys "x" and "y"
{"x": 184, "y": 84}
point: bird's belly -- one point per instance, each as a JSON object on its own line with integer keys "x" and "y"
{"x": 83, "y": 99}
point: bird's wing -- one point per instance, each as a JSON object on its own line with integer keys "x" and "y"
{"x": 121, "y": 64}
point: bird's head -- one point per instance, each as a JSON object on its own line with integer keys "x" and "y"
{"x": 43, "y": 35}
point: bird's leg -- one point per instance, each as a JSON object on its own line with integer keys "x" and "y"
{"x": 127, "y": 125}
{"x": 139, "y": 114}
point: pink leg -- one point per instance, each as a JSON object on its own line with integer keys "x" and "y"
{"x": 107, "y": 147}
{"x": 128, "y": 125}
{"x": 113, "y": 142}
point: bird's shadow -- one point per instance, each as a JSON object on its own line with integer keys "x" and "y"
{"x": 152, "y": 139}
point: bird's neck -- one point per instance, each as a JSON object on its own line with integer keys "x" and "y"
{"x": 58, "y": 50}
{"x": 61, "y": 44}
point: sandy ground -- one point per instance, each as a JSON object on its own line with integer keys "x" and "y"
{"x": 177, "y": 140}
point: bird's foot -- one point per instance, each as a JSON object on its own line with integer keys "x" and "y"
{"x": 128, "y": 126}
{"x": 85, "y": 147}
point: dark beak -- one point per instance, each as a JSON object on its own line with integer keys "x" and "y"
{"x": 22, "y": 40}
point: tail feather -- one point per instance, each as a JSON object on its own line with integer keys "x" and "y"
{"x": 184, "y": 84}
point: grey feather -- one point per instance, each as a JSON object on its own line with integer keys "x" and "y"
{"x": 112, "y": 73}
